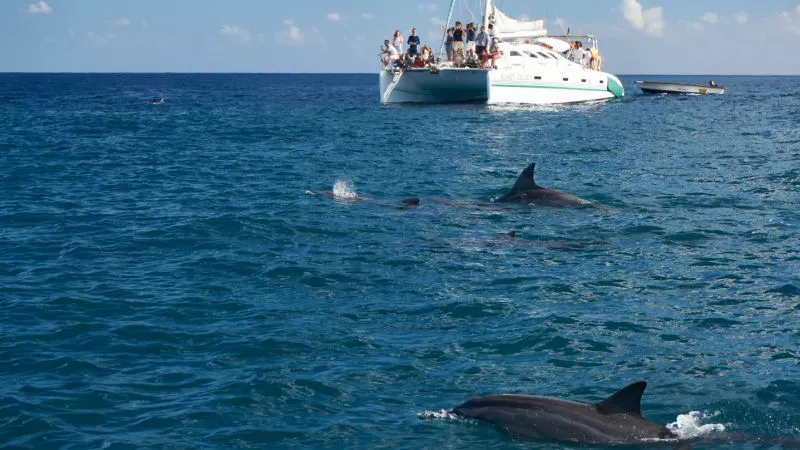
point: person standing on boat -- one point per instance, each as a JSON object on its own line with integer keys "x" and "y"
{"x": 448, "y": 45}
{"x": 587, "y": 58}
{"x": 458, "y": 38}
{"x": 397, "y": 41}
{"x": 413, "y": 42}
{"x": 481, "y": 42}
{"x": 470, "y": 38}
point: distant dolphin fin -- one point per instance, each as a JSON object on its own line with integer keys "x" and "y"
{"x": 627, "y": 400}
{"x": 525, "y": 180}
{"x": 412, "y": 201}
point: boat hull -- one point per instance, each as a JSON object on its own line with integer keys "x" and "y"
{"x": 427, "y": 86}
{"x": 651, "y": 87}
{"x": 493, "y": 87}
{"x": 545, "y": 92}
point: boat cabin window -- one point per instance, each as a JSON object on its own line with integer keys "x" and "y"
{"x": 544, "y": 55}
{"x": 553, "y": 55}
{"x": 533, "y": 55}
{"x": 515, "y": 53}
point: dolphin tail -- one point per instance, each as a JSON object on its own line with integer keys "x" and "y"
{"x": 525, "y": 180}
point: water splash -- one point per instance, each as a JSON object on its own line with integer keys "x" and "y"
{"x": 437, "y": 415}
{"x": 687, "y": 426}
{"x": 344, "y": 189}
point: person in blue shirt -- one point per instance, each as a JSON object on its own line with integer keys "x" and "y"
{"x": 470, "y": 37}
{"x": 413, "y": 42}
{"x": 481, "y": 42}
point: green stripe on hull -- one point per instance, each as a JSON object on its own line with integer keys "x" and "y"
{"x": 615, "y": 88}
{"x": 548, "y": 87}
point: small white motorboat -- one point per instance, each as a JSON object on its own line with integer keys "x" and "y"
{"x": 662, "y": 87}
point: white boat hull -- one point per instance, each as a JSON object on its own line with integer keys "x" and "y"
{"x": 508, "y": 88}
{"x": 495, "y": 87}
{"x": 655, "y": 87}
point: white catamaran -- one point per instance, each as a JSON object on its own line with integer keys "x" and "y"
{"x": 532, "y": 70}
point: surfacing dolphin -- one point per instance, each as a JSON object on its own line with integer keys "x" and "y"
{"x": 527, "y": 192}
{"x": 616, "y": 420}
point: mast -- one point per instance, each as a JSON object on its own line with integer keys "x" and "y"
{"x": 486, "y": 12}
{"x": 446, "y": 26}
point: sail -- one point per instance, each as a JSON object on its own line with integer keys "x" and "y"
{"x": 506, "y": 27}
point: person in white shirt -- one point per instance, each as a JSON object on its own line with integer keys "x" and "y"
{"x": 391, "y": 53}
{"x": 397, "y": 41}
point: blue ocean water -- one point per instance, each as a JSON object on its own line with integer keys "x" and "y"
{"x": 166, "y": 282}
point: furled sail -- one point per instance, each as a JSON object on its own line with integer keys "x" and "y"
{"x": 506, "y": 27}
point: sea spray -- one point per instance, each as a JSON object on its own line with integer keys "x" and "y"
{"x": 687, "y": 426}
{"x": 344, "y": 190}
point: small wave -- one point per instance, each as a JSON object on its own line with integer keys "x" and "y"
{"x": 344, "y": 189}
{"x": 437, "y": 415}
{"x": 687, "y": 426}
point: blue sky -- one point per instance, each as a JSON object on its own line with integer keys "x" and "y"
{"x": 636, "y": 36}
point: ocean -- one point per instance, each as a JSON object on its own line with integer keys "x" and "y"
{"x": 167, "y": 281}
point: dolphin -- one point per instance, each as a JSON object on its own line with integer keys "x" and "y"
{"x": 527, "y": 192}
{"x": 615, "y": 421}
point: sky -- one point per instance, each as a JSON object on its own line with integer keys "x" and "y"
{"x": 310, "y": 36}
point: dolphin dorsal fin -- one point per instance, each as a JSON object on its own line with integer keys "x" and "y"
{"x": 525, "y": 180}
{"x": 627, "y": 400}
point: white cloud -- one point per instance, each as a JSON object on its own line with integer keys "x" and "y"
{"x": 435, "y": 20}
{"x": 242, "y": 35}
{"x": 710, "y": 17}
{"x": 797, "y": 9}
{"x": 651, "y": 20}
{"x": 291, "y": 34}
{"x": 429, "y": 7}
{"x": 334, "y": 16}
{"x": 741, "y": 18}
{"x": 41, "y": 7}
{"x": 120, "y": 22}
{"x": 367, "y": 16}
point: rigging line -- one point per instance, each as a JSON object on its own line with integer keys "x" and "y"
{"x": 446, "y": 26}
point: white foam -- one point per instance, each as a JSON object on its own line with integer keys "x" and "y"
{"x": 437, "y": 415}
{"x": 344, "y": 189}
{"x": 688, "y": 426}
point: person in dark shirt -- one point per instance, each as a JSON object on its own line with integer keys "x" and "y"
{"x": 413, "y": 42}
{"x": 448, "y": 45}
{"x": 471, "y": 34}
{"x": 458, "y": 38}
